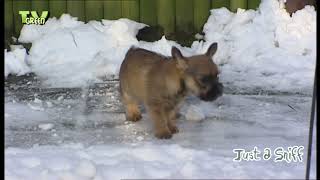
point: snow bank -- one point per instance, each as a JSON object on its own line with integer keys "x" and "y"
{"x": 68, "y": 53}
{"x": 15, "y": 62}
{"x": 265, "y": 49}
{"x": 132, "y": 161}
{"x": 106, "y": 162}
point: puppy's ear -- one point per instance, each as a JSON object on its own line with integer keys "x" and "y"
{"x": 177, "y": 55}
{"x": 212, "y": 49}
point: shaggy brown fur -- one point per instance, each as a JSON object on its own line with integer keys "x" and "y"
{"x": 161, "y": 83}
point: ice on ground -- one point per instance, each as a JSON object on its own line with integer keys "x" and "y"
{"x": 113, "y": 149}
{"x": 46, "y": 126}
{"x": 194, "y": 113}
{"x": 19, "y": 114}
{"x": 38, "y": 101}
{"x": 49, "y": 104}
{"x": 15, "y": 62}
{"x": 264, "y": 49}
{"x": 36, "y": 107}
{"x": 86, "y": 169}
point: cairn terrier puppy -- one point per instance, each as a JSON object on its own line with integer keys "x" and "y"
{"x": 160, "y": 83}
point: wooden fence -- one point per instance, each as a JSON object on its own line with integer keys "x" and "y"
{"x": 172, "y": 15}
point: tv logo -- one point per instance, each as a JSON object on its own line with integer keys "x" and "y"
{"x": 34, "y": 18}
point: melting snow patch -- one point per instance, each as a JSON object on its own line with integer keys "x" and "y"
{"x": 194, "y": 113}
{"x": 46, "y": 126}
{"x": 36, "y": 107}
{"x": 86, "y": 169}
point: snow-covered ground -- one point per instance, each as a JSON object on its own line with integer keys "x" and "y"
{"x": 61, "y": 141}
{"x": 60, "y": 126}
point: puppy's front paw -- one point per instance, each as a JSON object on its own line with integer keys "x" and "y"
{"x": 163, "y": 134}
{"x": 174, "y": 129}
{"x": 134, "y": 118}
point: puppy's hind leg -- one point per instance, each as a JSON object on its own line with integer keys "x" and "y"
{"x": 132, "y": 108}
{"x": 172, "y": 120}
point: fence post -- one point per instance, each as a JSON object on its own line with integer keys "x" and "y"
{"x": 184, "y": 15}
{"x": 93, "y": 9}
{"x": 112, "y": 9}
{"x": 220, "y": 3}
{"x": 76, "y": 9}
{"x": 19, "y": 5}
{"x": 201, "y": 13}
{"x": 148, "y": 12}
{"x": 130, "y": 9}
{"x": 235, "y": 4}
{"x": 253, "y": 4}
{"x": 166, "y": 15}
{"x": 57, "y": 8}
{"x": 8, "y": 24}
{"x": 39, "y": 6}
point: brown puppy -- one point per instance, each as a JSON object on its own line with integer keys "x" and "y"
{"x": 161, "y": 83}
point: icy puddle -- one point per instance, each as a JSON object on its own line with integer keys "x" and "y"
{"x": 61, "y": 139}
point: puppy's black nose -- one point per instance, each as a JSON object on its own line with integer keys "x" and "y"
{"x": 220, "y": 88}
{"x": 214, "y": 92}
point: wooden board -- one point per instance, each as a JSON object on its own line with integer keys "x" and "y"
{"x": 39, "y": 6}
{"x": 130, "y": 9}
{"x": 235, "y": 4}
{"x": 148, "y": 12}
{"x": 76, "y": 8}
{"x": 57, "y": 8}
{"x": 184, "y": 15}
{"x": 94, "y": 10}
{"x": 253, "y": 4}
{"x": 112, "y": 9}
{"x": 201, "y": 13}
{"x": 220, "y": 3}
{"x": 19, "y": 5}
{"x": 166, "y": 15}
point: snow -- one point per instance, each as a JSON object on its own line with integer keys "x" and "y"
{"x": 53, "y": 138}
{"x": 46, "y": 126}
{"x": 70, "y": 53}
{"x": 194, "y": 113}
{"x": 15, "y": 62}
{"x": 129, "y": 162}
{"x": 112, "y": 148}
{"x": 86, "y": 169}
{"x": 49, "y": 104}
{"x": 36, "y": 107}
{"x": 265, "y": 48}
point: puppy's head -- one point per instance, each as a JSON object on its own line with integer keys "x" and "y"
{"x": 200, "y": 73}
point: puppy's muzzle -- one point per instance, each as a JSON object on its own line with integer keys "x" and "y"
{"x": 213, "y": 93}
